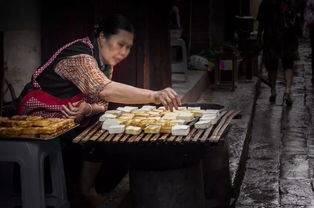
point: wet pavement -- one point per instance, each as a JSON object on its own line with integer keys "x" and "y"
{"x": 271, "y": 147}
{"x": 242, "y": 99}
{"x": 279, "y": 169}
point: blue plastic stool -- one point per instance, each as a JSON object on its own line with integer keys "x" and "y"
{"x": 30, "y": 155}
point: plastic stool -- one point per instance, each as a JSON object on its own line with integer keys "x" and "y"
{"x": 179, "y": 65}
{"x": 30, "y": 155}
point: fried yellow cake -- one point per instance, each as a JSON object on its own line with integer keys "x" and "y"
{"x": 33, "y": 126}
{"x": 152, "y": 129}
{"x": 134, "y": 130}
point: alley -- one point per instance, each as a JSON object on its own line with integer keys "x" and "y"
{"x": 279, "y": 169}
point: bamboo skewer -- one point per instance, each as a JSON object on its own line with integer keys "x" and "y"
{"x": 206, "y": 134}
{"x": 117, "y": 137}
{"x": 139, "y": 137}
{"x": 87, "y": 133}
{"x": 198, "y": 134}
{"x": 103, "y": 137}
{"x": 216, "y": 137}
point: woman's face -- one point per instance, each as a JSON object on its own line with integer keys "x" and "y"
{"x": 115, "y": 48}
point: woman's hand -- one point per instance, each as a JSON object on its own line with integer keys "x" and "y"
{"x": 167, "y": 97}
{"x": 77, "y": 109}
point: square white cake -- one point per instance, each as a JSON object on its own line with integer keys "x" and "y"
{"x": 194, "y": 108}
{"x": 148, "y": 107}
{"x": 107, "y": 116}
{"x": 116, "y": 129}
{"x": 187, "y": 116}
{"x": 212, "y": 118}
{"x": 180, "y": 130}
{"x": 202, "y": 124}
{"x": 110, "y": 122}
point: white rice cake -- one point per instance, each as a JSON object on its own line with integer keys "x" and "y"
{"x": 187, "y": 116}
{"x": 180, "y": 130}
{"x": 114, "y": 112}
{"x": 131, "y": 108}
{"x": 158, "y": 110}
{"x": 148, "y": 107}
{"x": 197, "y": 113}
{"x": 152, "y": 129}
{"x": 107, "y": 116}
{"x": 202, "y": 124}
{"x": 127, "y": 109}
{"x": 182, "y": 108}
{"x": 116, "y": 129}
{"x": 110, "y": 122}
{"x": 194, "y": 108}
{"x": 212, "y": 111}
{"x": 170, "y": 116}
{"x": 134, "y": 130}
{"x": 162, "y": 108}
{"x": 212, "y": 118}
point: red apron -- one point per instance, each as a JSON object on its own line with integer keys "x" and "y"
{"x": 39, "y": 103}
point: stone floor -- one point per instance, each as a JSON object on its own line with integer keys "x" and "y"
{"x": 279, "y": 170}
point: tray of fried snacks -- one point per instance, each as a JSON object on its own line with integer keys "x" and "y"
{"x": 34, "y": 127}
{"x": 149, "y": 123}
{"x": 153, "y": 120}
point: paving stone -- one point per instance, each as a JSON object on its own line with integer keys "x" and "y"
{"x": 264, "y": 151}
{"x": 296, "y": 192}
{"x": 294, "y": 166}
{"x": 252, "y": 206}
{"x": 255, "y": 191}
{"x": 270, "y": 165}
{"x": 288, "y": 135}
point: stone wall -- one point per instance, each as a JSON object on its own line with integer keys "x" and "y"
{"x": 20, "y": 23}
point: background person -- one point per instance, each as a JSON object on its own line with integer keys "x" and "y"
{"x": 278, "y": 32}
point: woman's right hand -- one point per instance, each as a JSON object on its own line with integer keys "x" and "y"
{"x": 167, "y": 97}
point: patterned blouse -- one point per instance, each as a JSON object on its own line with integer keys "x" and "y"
{"x": 83, "y": 71}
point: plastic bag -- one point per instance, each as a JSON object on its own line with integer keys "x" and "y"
{"x": 198, "y": 62}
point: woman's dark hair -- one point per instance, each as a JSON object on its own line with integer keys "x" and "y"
{"x": 112, "y": 23}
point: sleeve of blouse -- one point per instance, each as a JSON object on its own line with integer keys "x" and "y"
{"x": 82, "y": 70}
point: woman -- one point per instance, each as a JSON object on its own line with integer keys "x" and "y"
{"x": 278, "y": 28}
{"x": 76, "y": 83}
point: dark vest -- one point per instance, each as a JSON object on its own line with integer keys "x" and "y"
{"x": 55, "y": 85}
